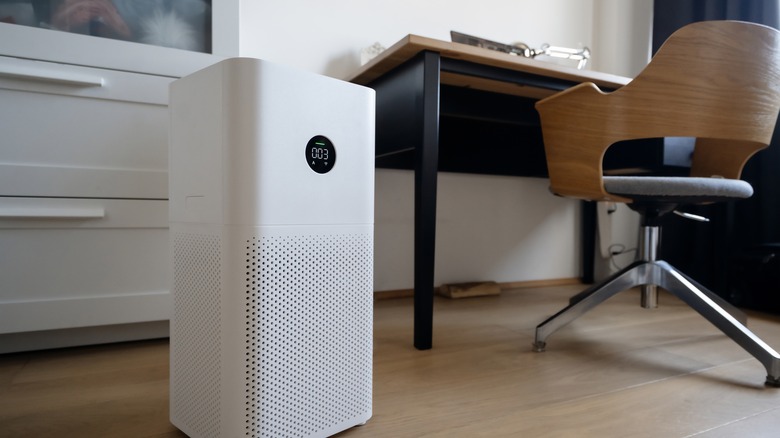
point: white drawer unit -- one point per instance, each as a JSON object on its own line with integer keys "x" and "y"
{"x": 83, "y": 204}
{"x": 71, "y": 131}
{"x": 68, "y": 263}
{"x": 81, "y": 271}
{"x": 84, "y": 187}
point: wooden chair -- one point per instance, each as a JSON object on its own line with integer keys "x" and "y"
{"x": 716, "y": 81}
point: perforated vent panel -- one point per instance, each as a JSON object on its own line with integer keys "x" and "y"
{"x": 308, "y": 332}
{"x": 195, "y": 333}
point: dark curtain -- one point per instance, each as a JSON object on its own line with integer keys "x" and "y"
{"x": 670, "y": 15}
{"x": 725, "y": 253}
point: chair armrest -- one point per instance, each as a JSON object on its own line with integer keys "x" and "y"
{"x": 725, "y": 158}
{"x": 575, "y": 140}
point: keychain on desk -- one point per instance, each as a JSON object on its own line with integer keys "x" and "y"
{"x": 522, "y": 49}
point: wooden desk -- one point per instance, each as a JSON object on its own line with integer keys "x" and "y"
{"x": 477, "y": 105}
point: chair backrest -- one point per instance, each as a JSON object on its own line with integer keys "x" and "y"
{"x": 717, "y": 81}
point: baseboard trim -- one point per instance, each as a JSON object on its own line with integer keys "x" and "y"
{"x": 409, "y": 293}
{"x": 393, "y": 294}
{"x": 540, "y": 283}
{"x": 79, "y": 336}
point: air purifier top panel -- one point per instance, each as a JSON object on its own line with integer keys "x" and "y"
{"x": 256, "y": 143}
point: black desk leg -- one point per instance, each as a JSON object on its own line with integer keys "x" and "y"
{"x": 425, "y": 178}
{"x": 408, "y": 119}
{"x": 589, "y": 224}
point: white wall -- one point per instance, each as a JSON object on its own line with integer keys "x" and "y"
{"x": 326, "y": 36}
{"x": 489, "y": 228}
{"x": 622, "y": 37}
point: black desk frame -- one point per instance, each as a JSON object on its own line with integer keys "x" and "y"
{"x": 409, "y": 97}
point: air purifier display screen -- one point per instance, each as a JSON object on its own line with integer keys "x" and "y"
{"x": 320, "y": 154}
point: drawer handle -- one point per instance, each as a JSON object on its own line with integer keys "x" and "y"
{"x": 52, "y": 213}
{"x": 58, "y": 78}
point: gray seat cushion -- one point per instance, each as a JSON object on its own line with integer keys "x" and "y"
{"x": 688, "y": 188}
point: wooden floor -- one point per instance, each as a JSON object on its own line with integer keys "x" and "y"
{"x": 619, "y": 371}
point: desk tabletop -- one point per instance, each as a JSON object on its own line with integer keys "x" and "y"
{"x": 411, "y": 45}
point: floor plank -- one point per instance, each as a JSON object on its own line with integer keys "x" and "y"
{"x": 759, "y": 425}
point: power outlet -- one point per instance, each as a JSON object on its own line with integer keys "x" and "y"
{"x": 604, "y": 212}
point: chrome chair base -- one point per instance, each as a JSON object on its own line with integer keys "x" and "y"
{"x": 716, "y": 310}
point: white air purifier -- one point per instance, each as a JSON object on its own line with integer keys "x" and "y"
{"x": 271, "y": 209}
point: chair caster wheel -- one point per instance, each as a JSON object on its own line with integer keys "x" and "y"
{"x": 539, "y": 346}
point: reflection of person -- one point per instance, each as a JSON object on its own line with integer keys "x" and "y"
{"x": 183, "y": 24}
{"x": 14, "y": 12}
{"x": 93, "y": 17}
